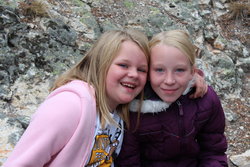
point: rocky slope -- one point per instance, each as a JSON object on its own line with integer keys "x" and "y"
{"x": 41, "y": 39}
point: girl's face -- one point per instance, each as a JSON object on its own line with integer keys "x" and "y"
{"x": 170, "y": 72}
{"x": 127, "y": 74}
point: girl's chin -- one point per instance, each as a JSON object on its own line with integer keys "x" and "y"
{"x": 169, "y": 100}
{"x": 126, "y": 101}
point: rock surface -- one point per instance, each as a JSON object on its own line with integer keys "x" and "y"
{"x": 38, "y": 45}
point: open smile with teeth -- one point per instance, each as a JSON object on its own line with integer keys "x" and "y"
{"x": 128, "y": 85}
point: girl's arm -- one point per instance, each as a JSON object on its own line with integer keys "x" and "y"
{"x": 212, "y": 140}
{"x": 49, "y": 131}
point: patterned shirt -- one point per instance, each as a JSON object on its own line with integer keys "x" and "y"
{"x": 107, "y": 143}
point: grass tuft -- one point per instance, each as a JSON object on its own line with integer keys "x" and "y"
{"x": 34, "y": 8}
{"x": 239, "y": 10}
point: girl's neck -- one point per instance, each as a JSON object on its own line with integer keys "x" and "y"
{"x": 112, "y": 108}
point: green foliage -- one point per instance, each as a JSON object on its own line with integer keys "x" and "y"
{"x": 12, "y": 4}
{"x": 128, "y": 4}
{"x": 78, "y": 3}
{"x": 155, "y": 10}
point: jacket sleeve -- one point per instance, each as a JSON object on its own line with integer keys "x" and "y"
{"x": 211, "y": 139}
{"x": 130, "y": 152}
{"x": 51, "y": 127}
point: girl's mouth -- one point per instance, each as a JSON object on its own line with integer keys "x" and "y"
{"x": 131, "y": 86}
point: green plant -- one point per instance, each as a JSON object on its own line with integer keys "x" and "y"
{"x": 33, "y": 9}
{"x": 128, "y": 4}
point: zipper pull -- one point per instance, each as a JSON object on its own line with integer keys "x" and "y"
{"x": 180, "y": 108}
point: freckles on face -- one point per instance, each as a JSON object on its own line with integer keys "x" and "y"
{"x": 170, "y": 72}
{"x": 127, "y": 74}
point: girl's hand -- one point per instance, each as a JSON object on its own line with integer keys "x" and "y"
{"x": 200, "y": 84}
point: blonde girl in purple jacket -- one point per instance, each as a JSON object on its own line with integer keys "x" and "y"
{"x": 81, "y": 122}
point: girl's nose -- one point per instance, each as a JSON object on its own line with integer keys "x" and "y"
{"x": 169, "y": 79}
{"x": 133, "y": 73}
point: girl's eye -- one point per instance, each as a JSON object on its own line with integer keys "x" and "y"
{"x": 180, "y": 70}
{"x": 142, "y": 70}
{"x": 123, "y": 65}
{"x": 159, "y": 69}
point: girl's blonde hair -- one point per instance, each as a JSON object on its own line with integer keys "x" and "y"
{"x": 178, "y": 39}
{"x": 95, "y": 64}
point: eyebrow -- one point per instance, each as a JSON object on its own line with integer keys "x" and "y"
{"x": 128, "y": 60}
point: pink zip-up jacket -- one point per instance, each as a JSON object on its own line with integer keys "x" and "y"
{"x": 61, "y": 131}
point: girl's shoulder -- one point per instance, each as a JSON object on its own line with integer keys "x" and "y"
{"x": 81, "y": 88}
{"x": 211, "y": 95}
{"x": 209, "y": 101}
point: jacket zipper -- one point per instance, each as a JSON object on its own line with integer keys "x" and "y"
{"x": 180, "y": 108}
{"x": 181, "y": 126}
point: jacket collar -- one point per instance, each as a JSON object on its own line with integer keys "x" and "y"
{"x": 152, "y": 103}
{"x": 149, "y": 106}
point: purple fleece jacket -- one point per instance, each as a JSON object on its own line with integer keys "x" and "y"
{"x": 188, "y": 133}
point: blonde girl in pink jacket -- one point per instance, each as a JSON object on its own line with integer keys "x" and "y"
{"x": 81, "y": 122}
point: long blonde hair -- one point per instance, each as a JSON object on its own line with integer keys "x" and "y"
{"x": 95, "y": 64}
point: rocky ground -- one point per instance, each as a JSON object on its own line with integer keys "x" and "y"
{"x": 238, "y": 129}
{"x": 62, "y": 31}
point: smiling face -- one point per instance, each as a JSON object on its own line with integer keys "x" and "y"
{"x": 127, "y": 74}
{"x": 170, "y": 72}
